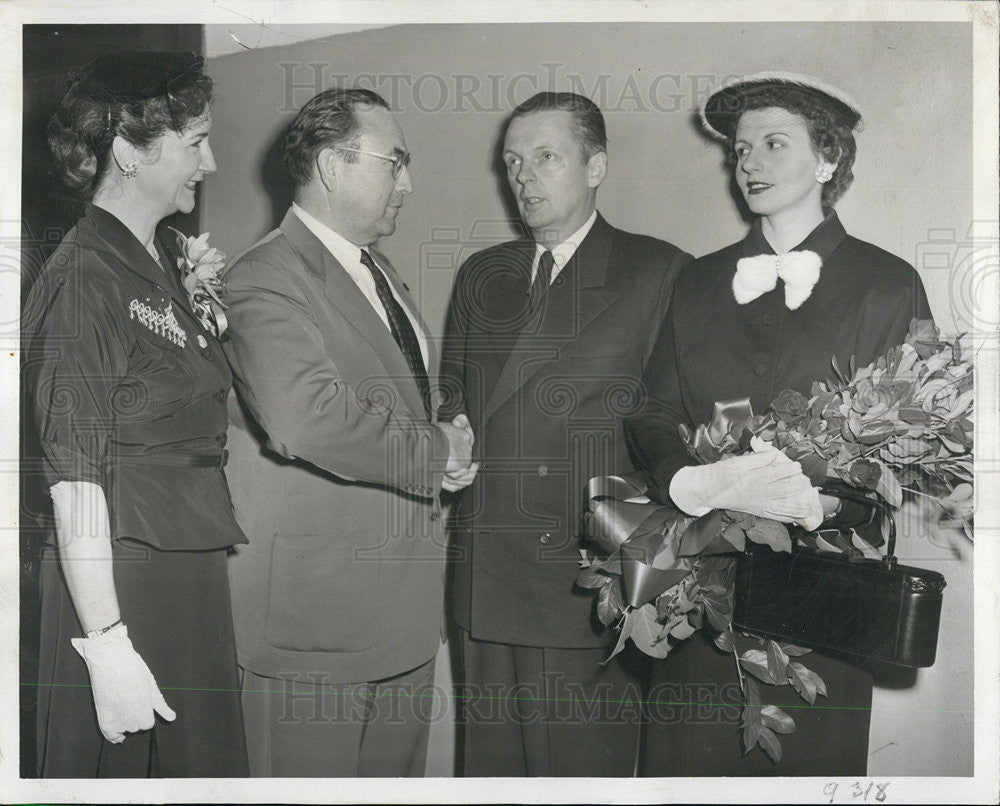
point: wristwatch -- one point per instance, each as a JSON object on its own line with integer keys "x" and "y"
{"x": 96, "y": 633}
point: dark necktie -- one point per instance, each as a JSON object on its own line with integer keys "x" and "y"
{"x": 402, "y": 329}
{"x": 542, "y": 279}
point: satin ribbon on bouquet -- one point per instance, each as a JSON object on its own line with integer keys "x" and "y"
{"x": 729, "y": 420}
{"x": 622, "y": 518}
{"x": 657, "y": 542}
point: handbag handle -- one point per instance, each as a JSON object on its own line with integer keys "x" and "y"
{"x": 881, "y": 507}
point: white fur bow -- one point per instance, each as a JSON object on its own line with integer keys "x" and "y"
{"x": 758, "y": 275}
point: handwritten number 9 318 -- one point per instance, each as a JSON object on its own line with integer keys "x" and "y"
{"x": 859, "y": 790}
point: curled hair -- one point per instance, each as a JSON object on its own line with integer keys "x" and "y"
{"x": 81, "y": 132}
{"x": 588, "y": 122}
{"x": 831, "y": 137}
{"x": 327, "y": 119}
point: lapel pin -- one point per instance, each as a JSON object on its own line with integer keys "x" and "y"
{"x": 201, "y": 342}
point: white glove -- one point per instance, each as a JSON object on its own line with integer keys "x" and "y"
{"x": 766, "y": 483}
{"x": 125, "y": 693}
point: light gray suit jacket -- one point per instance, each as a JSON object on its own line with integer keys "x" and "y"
{"x": 331, "y": 457}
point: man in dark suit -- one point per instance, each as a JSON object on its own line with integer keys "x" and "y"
{"x": 547, "y": 340}
{"x": 336, "y": 470}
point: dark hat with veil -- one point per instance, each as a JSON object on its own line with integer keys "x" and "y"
{"x": 721, "y": 109}
{"x": 129, "y": 76}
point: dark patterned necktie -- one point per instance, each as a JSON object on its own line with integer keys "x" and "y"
{"x": 542, "y": 279}
{"x": 402, "y": 330}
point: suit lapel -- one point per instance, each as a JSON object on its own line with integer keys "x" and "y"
{"x": 505, "y": 305}
{"x": 576, "y": 297}
{"x": 343, "y": 294}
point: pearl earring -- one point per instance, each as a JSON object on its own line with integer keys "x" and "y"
{"x": 130, "y": 170}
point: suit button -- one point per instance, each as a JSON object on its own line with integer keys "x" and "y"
{"x": 220, "y": 395}
{"x": 543, "y": 470}
{"x": 559, "y": 281}
{"x": 435, "y": 516}
{"x": 221, "y": 439}
{"x": 545, "y": 538}
{"x": 760, "y": 370}
{"x": 769, "y": 318}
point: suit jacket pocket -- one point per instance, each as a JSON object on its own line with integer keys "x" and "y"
{"x": 321, "y": 596}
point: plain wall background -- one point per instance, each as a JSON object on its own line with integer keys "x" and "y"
{"x": 452, "y": 86}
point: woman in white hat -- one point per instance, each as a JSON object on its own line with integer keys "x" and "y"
{"x": 751, "y": 320}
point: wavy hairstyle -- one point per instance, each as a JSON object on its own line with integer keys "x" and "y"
{"x": 91, "y": 115}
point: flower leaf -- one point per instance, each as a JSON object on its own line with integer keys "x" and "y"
{"x": 770, "y": 533}
{"x": 801, "y": 682}
{"x": 777, "y": 660}
{"x": 770, "y": 743}
{"x": 914, "y": 415}
{"x": 888, "y": 486}
{"x": 589, "y": 578}
{"x": 623, "y": 636}
{"x": 776, "y": 719}
{"x": 810, "y": 680}
{"x": 755, "y": 662}
{"x": 719, "y": 612}
{"x": 735, "y": 536}
{"x": 610, "y": 603}
{"x": 647, "y": 634}
{"x": 700, "y": 533}
{"x": 610, "y": 565}
{"x": 725, "y": 641}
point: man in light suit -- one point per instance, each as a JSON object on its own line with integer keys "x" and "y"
{"x": 337, "y": 461}
{"x": 547, "y": 341}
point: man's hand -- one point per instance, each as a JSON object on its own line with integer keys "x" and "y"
{"x": 460, "y": 470}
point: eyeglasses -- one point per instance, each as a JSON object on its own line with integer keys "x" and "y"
{"x": 399, "y": 161}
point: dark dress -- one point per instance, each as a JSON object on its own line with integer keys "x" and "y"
{"x": 712, "y": 348}
{"x": 130, "y": 394}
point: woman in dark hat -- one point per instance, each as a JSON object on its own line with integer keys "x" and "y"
{"x": 138, "y": 671}
{"x": 751, "y": 320}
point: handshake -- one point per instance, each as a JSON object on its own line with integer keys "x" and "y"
{"x": 460, "y": 470}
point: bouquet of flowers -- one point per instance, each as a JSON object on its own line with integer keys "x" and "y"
{"x": 901, "y": 426}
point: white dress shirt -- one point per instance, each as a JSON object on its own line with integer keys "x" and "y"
{"x": 349, "y": 256}
{"x": 564, "y": 251}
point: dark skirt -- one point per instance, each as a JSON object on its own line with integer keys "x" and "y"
{"x": 177, "y": 607}
{"x": 695, "y": 709}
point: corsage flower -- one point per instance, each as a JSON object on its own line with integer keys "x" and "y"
{"x": 201, "y": 266}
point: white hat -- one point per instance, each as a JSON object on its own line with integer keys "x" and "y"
{"x": 721, "y": 110}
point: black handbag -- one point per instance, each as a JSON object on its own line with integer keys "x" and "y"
{"x": 876, "y": 609}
